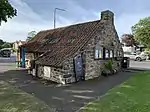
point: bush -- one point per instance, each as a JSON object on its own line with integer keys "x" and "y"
{"x": 108, "y": 67}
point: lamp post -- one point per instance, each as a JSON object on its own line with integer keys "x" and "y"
{"x": 55, "y": 15}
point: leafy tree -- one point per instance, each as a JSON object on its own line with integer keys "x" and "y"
{"x": 31, "y": 35}
{"x": 6, "y": 11}
{"x": 141, "y": 31}
{"x": 128, "y": 40}
{"x": 6, "y": 45}
{"x": 1, "y": 42}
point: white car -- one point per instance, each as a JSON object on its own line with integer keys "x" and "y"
{"x": 136, "y": 56}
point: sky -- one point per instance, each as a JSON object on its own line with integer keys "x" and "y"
{"x": 37, "y": 15}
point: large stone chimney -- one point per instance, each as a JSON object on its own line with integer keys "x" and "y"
{"x": 108, "y": 16}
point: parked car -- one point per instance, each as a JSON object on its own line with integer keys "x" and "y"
{"x": 136, "y": 56}
{"x": 147, "y": 53}
{"x": 5, "y": 52}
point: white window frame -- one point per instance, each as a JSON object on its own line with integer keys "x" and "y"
{"x": 107, "y": 53}
{"x": 98, "y": 52}
{"x": 111, "y": 53}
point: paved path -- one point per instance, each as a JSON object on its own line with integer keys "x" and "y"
{"x": 68, "y": 98}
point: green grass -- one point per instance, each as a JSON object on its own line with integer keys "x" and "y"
{"x": 15, "y": 100}
{"x": 131, "y": 96}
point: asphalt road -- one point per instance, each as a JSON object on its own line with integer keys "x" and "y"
{"x": 72, "y": 97}
{"x": 7, "y": 63}
{"x": 140, "y": 65}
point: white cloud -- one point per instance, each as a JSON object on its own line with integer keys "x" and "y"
{"x": 27, "y": 20}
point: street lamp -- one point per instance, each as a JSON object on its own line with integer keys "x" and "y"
{"x": 55, "y": 15}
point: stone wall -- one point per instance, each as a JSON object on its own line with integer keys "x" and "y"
{"x": 29, "y": 57}
{"x": 68, "y": 67}
{"x": 56, "y": 74}
{"x": 92, "y": 67}
{"x": 106, "y": 36}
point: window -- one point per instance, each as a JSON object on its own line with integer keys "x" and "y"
{"x": 107, "y": 53}
{"x": 98, "y": 52}
{"x": 47, "y": 72}
{"x": 115, "y": 54}
{"x": 111, "y": 53}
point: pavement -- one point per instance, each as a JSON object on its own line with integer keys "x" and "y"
{"x": 68, "y": 98}
{"x": 142, "y": 65}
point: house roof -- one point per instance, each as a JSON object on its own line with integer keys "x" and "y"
{"x": 33, "y": 44}
{"x": 65, "y": 42}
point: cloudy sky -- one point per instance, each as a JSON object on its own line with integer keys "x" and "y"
{"x": 38, "y": 15}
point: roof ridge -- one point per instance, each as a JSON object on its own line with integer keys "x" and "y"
{"x": 81, "y": 23}
{"x": 61, "y": 52}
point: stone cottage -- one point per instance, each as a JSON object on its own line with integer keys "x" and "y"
{"x": 77, "y": 52}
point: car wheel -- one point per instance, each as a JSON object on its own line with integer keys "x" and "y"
{"x": 138, "y": 59}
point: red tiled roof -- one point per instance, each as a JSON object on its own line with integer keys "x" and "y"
{"x": 37, "y": 41}
{"x": 68, "y": 41}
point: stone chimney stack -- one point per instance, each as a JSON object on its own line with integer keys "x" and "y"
{"x": 108, "y": 16}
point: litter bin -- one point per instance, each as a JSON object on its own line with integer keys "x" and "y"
{"x": 125, "y": 62}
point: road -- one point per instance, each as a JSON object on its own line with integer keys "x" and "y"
{"x": 140, "y": 65}
{"x": 7, "y": 63}
{"x": 72, "y": 97}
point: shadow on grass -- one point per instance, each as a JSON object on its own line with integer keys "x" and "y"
{"x": 68, "y": 98}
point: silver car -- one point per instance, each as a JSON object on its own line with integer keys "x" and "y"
{"x": 136, "y": 56}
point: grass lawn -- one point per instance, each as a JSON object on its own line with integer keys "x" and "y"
{"x": 15, "y": 100}
{"x": 131, "y": 96}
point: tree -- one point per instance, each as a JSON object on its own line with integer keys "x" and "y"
{"x": 31, "y": 35}
{"x": 6, "y": 45}
{"x": 1, "y": 42}
{"x": 141, "y": 31}
{"x": 6, "y": 11}
{"x": 128, "y": 40}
